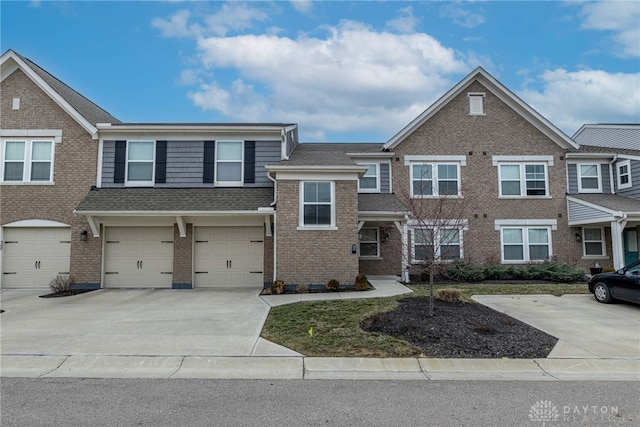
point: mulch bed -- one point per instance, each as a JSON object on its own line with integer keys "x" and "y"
{"x": 461, "y": 330}
{"x": 66, "y": 293}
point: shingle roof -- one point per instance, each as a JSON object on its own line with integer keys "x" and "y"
{"x": 327, "y": 154}
{"x": 175, "y": 199}
{"x": 87, "y": 109}
{"x": 610, "y": 201}
{"x": 606, "y": 150}
{"x": 379, "y": 203}
{"x": 621, "y": 136}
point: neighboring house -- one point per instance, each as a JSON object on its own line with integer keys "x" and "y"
{"x": 209, "y": 205}
{"x": 604, "y": 193}
{"x": 48, "y": 154}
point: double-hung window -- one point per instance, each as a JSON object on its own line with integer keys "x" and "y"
{"x": 589, "y": 178}
{"x": 317, "y": 204}
{"x": 229, "y": 163}
{"x": 435, "y": 179}
{"x": 438, "y": 244}
{"x": 624, "y": 174}
{"x": 370, "y": 181}
{"x": 523, "y": 179}
{"x": 593, "y": 242}
{"x": 369, "y": 242}
{"x": 140, "y": 162}
{"x": 524, "y": 244}
{"x": 28, "y": 160}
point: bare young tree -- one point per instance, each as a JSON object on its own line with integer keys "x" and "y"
{"x": 439, "y": 215}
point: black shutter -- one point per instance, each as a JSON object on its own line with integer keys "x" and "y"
{"x": 249, "y": 162}
{"x": 209, "y": 162}
{"x": 120, "y": 162}
{"x": 161, "y": 162}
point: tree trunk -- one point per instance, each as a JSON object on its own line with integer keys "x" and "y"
{"x": 431, "y": 291}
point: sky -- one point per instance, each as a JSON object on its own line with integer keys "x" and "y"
{"x": 344, "y": 71}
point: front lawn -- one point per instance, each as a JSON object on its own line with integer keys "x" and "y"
{"x": 337, "y": 330}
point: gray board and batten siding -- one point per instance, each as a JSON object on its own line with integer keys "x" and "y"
{"x": 385, "y": 178}
{"x": 185, "y": 164}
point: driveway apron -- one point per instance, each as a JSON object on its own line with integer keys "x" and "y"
{"x": 146, "y": 322}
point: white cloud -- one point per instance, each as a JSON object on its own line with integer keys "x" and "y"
{"x": 230, "y": 17}
{"x": 621, "y": 18}
{"x": 461, "y": 16}
{"x": 571, "y": 99}
{"x": 355, "y": 79}
{"x": 302, "y": 6}
{"x": 404, "y": 22}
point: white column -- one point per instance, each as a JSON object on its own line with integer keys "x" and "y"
{"x": 617, "y": 244}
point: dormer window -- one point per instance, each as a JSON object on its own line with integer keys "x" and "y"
{"x": 476, "y": 103}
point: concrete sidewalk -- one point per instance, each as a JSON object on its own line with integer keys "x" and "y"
{"x": 215, "y": 334}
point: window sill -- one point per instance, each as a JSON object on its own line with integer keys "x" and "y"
{"x": 525, "y": 197}
{"x": 368, "y": 190}
{"x": 448, "y": 196}
{"x": 523, "y": 261}
{"x": 370, "y": 258}
{"x": 582, "y": 191}
{"x": 318, "y": 228}
{"x": 595, "y": 257}
{"x": 27, "y": 183}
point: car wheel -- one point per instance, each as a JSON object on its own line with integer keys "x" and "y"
{"x": 601, "y": 292}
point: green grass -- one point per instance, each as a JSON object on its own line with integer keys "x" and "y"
{"x": 336, "y": 324}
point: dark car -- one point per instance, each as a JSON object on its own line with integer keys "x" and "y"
{"x": 623, "y": 285}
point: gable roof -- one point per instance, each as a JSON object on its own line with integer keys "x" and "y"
{"x": 499, "y": 90}
{"x": 617, "y": 136}
{"x": 84, "y": 111}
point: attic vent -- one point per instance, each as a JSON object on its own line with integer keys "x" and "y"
{"x": 476, "y": 103}
{"x": 16, "y": 104}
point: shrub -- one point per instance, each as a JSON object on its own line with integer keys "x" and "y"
{"x": 361, "y": 282}
{"x": 302, "y": 289}
{"x": 332, "y": 285}
{"x": 463, "y": 272}
{"x": 62, "y": 283}
{"x": 278, "y": 287}
{"x": 448, "y": 295}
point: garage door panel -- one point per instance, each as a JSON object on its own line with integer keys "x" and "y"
{"x": 139, "y": 257}
{"x": 32, "y": 257}
{"x": 228, "y": 256}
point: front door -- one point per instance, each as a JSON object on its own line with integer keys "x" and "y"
{"x": 630, "y": 236}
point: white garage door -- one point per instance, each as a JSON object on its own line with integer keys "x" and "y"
{"x": 228, "y": 256}
{"x": 138, "y": 257}
{"x": 32, "y": 257}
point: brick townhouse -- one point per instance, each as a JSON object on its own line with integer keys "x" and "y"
{"x": 241, "y": 204}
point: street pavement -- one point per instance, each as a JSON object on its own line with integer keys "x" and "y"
{"x": 203, "y": 333}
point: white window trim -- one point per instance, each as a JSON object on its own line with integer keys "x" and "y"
{"x": 150, "y": 183}
{"x": 370, "y": 190}
{"x": 434, "y": 180}
{"x": 523, "y": 181}
{"x": 602, "y": 242}
{"x": 626, "y": 163}
{"x": 377, "y": 255}
{"x": 27, "y": 161}
{"x": 460, "y": 229}
{"x": 525, "y": 243}
{"x": 476, "y": 95}
{"x": 302, "y": 225}
{"x": 218, "y": 183}
{"x": 599, "y": 176}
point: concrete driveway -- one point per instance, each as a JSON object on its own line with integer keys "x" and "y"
{"x": 145, "y": 322}
{"x": 584, "y": 327}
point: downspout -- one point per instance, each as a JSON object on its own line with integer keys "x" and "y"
{"x": 615, "y": 159}
{"x": 275, "y": 226}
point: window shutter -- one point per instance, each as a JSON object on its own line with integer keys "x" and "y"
{"x": 161, "y": 162}
{"x": 120, "y": 162}
{"x": 249, "y": 162}
{"x": 209, "y": 162}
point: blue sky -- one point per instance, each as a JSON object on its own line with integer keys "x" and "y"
{"x": 344, "y": 71}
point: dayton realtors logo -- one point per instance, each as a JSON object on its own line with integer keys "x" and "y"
{"x": 545, "y": 411}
